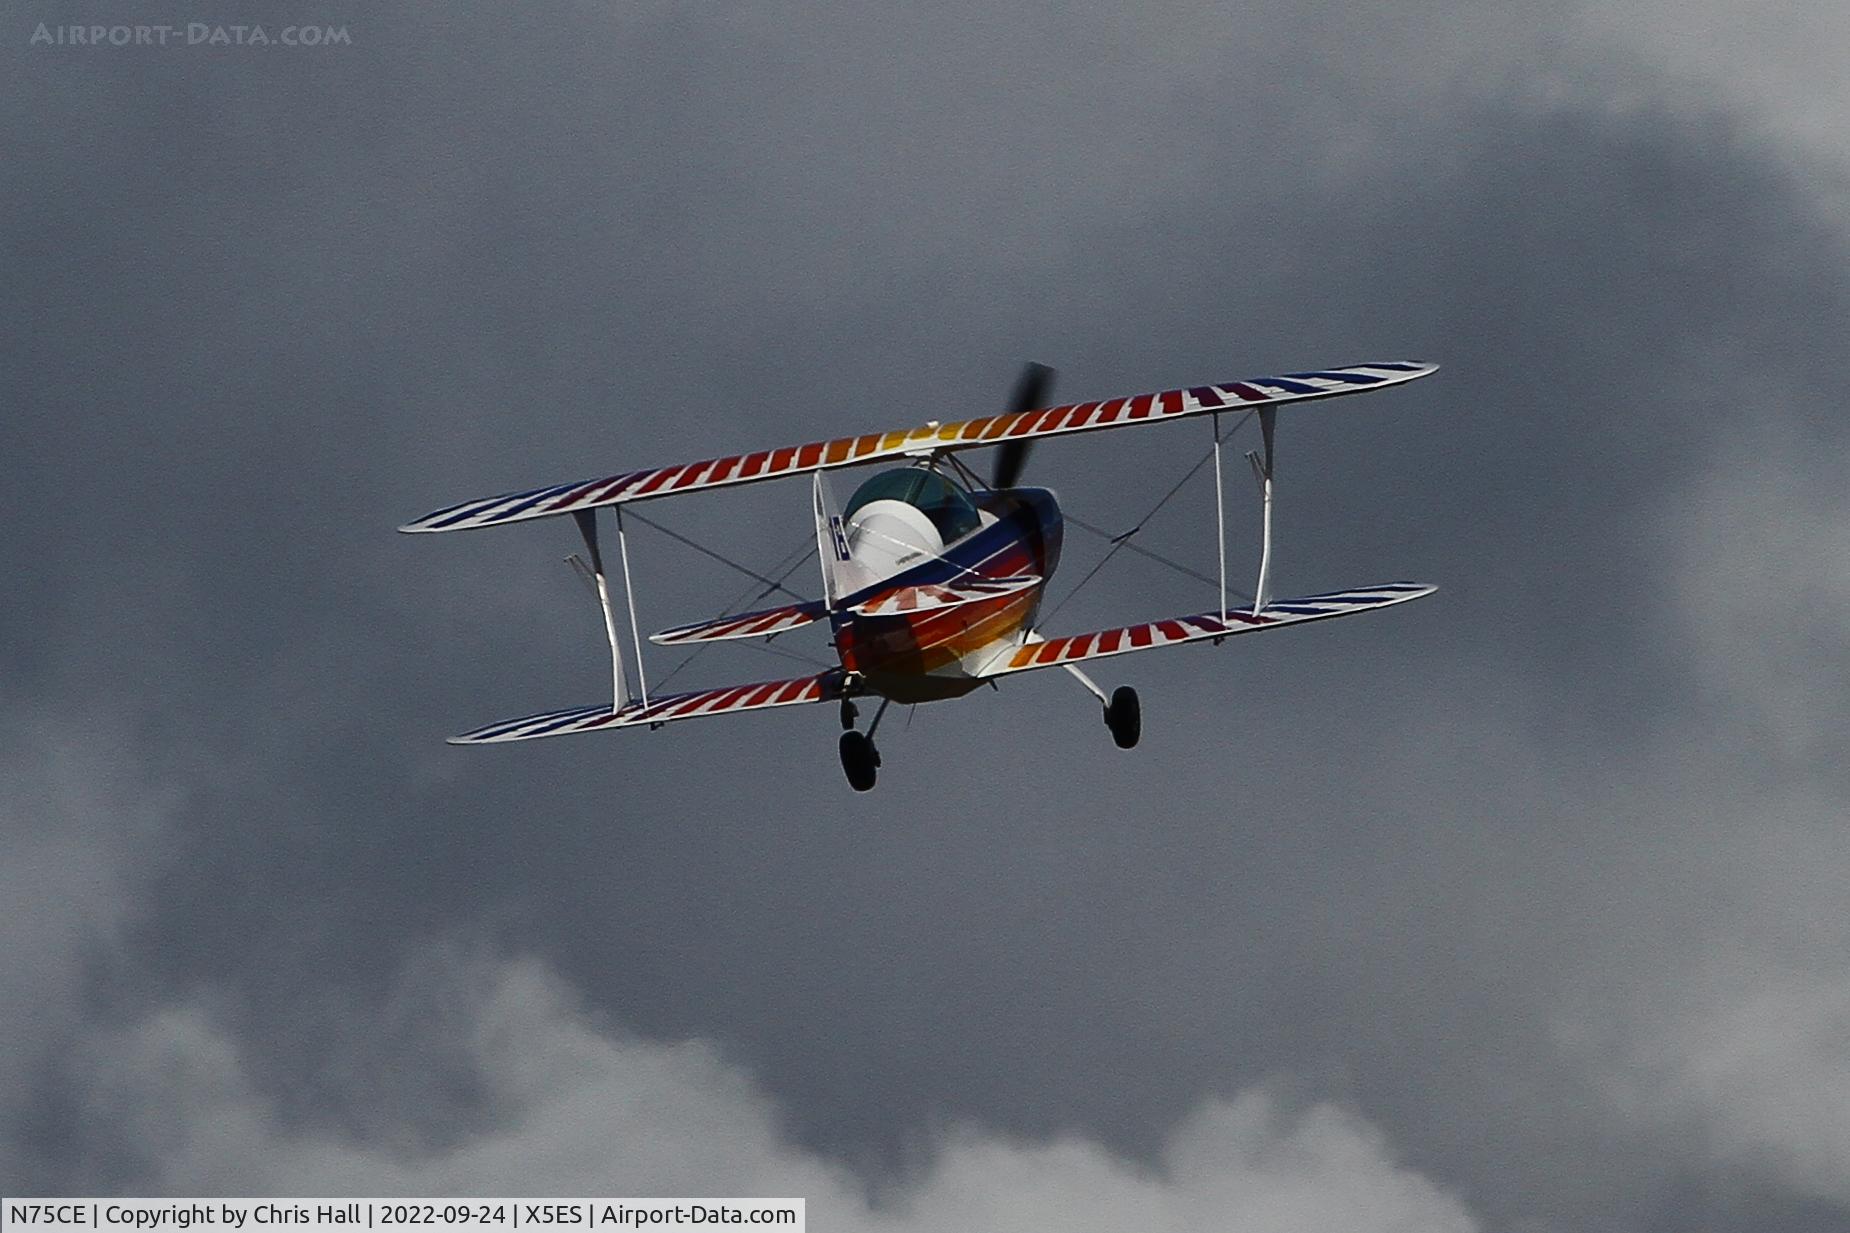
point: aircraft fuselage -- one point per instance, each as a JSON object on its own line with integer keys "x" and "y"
{"x": 921, "y": 657}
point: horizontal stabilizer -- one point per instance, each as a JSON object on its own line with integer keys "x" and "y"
{"x": 761, "y": 624}
{"x": 942, "y": 595}
{"x": 1206, "y": 626}
{"x": 727, "y": 700}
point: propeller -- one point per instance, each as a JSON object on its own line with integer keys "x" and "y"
{"x": 1030, "y": 392}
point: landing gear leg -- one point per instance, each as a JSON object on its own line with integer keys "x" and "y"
{"x": 1124, "y": 716}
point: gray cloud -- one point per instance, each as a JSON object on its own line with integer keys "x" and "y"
{"x": 588, "y": 1113}
{"x": 1491, "y": 872}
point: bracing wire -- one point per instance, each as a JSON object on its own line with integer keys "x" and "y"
{"x": 788, "y": 565}
{"x": 751, "y": 595}
{"x": 1123, "y": 539}
{"x": 770, "y": 584}
{"x": 1158, "y": 557}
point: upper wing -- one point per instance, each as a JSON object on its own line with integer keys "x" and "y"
{"x": 965, "y": 434}
{"x": 1208, "y": 625}
{"x": 823, "y": 687}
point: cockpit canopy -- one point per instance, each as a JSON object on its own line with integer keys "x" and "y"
{"x": 947, "y": 505}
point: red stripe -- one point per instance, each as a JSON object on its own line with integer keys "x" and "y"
{"x": 780, "y": 460}
{"x": 1141, "y": 406}
{"x": 1172, "y": 402}
{"x": 659, "y": 478}
{"x": 1246, "y": 391}
{"x": 809, "y": 456}
{"x": 1172, "y": 629}
{"x": 732, "y": 698}
{"x": 764, "y": 622}
{"x": 605, "y": 487}
{"x": 1140, "y": 636}
{"x": 609, "y": 486}
{"x": 713, "y": 699}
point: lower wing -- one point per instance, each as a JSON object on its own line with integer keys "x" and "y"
{"x": 727, "y": 700}
{"x": 1208, "y": 626}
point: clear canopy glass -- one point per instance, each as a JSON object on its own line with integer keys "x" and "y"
{"x": 947, "y": 505}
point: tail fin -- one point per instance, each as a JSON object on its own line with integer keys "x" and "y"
{"x": 841, "y": 575}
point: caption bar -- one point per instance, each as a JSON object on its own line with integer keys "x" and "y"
{"x": 409, "y": 1215}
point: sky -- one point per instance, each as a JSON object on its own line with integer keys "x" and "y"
{"x": 1521, "y": 909}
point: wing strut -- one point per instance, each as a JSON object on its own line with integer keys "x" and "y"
{"x": 1220, "y": 521}
{"x": 629, "y": 598}
{"x": 1262, "y": 471}
{"x": 587, "y": 527}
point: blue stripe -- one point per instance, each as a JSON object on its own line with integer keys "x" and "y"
{"x": 1353, "y": 378}
{"x": 535, "y": 498}
{"x": 506, "y": 726}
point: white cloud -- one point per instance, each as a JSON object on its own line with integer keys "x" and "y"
{"x": 1780, "y": 65}
{"x": 591, "y": 1112}
{"x": 1769, "y": 1072}
{"x": 76, "y": 824}
{"x": 1760, "y": 552}
{"x": 1743, "y": 1037}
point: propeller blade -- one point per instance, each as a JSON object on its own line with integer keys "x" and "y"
{"x": 1030, "y": 392}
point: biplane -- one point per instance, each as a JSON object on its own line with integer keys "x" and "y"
{"x": 932, "y": 578}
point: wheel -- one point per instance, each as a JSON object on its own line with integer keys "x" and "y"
{"x": 859, "y": 760}
{"x": 1124, "y": 716}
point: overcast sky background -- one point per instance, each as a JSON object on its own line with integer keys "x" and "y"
{"x": 1523, "y": 908}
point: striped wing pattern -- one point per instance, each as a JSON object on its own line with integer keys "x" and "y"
{"x": 1208, "y": 625}
{"x": 964, "y": 434}
{"x": 728, "y": 700}
{"x": 761, "y": 624}
{"x": 902, "y": 600}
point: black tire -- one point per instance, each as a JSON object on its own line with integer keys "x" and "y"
{"x": 860, "y": 761}
{"x": 1124, "y": 716}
